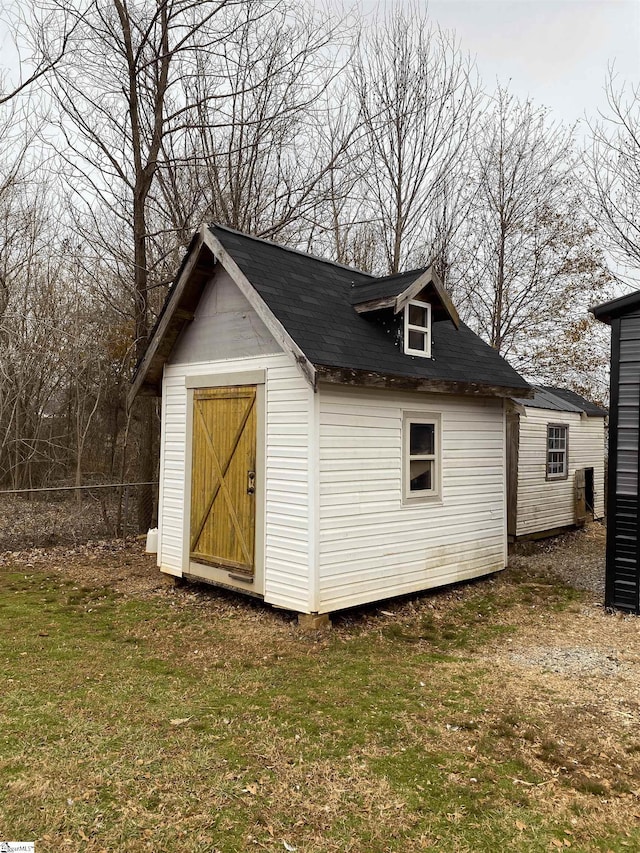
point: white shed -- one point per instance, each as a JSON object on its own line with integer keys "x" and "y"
{"x": 328, "y": 438}
{"x": 556, "y": 455}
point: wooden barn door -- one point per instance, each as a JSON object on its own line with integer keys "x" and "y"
{"x": 223, "y": 475}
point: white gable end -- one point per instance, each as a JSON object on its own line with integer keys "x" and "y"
{"x": 225, "y": 327}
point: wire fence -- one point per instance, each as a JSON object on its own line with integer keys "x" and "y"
{"x": 70, "y": 515}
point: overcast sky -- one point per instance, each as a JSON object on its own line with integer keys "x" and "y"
{"x": 555, "y": 51}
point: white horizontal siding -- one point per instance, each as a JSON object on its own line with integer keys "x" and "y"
{"x": 371, "y": 546}
{"x": 288, "y": 580}
{"x": 545, "y": 504}
{"x": 286, "y": 547}
{"x": 225, "y": 337}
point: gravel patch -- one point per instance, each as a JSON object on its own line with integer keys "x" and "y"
{"x": 588, "y": 573}
{"x": 577, "y": 558}
{"x": 569, "y": 661}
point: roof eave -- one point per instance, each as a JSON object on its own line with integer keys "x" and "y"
{"x": 351, "y": 376}
{"x": 608, "y": 311}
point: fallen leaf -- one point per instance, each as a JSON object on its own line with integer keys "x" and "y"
{"x": 520, "y": 825}
{"x": 289, "y": 847}
{"x": 178, "y": 721}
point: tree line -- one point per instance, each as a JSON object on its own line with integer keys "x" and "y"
{"x": 372, "y": 142}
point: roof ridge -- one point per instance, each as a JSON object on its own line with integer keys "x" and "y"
{"x": 291, "y": 249}
{"x": 392, "y": 276}
{"x": 556, "y": 397}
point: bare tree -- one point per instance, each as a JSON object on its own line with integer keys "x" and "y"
{"x": 171, "y": 111}
{"x": 119, "y": 94}
{"x": 531, "y": 264}
{"x": 614, "y": 166}
{"x": 254, "y": 155}
{"x": 418, "y": 97}
{"x": 38, "y": 34}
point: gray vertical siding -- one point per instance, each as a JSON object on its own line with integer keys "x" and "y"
{"x": 628, "y": 405}
{"x": 622, "y": 531}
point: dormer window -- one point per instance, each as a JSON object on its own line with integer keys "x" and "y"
{"x": 417, "y": 328}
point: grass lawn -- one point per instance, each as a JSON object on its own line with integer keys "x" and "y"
{"x": 192, "y": 720}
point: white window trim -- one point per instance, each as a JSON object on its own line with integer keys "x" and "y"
{"x": 565, "y": 472}
{"x": 409, "y": 327}
{"x": 426, "y": 495}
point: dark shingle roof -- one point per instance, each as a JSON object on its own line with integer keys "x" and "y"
{"x": 311, "y": 297}
{"x": 608, "y": 311}
{"x": 577, "y": 400}
{"x": 388, "y": 285}
{"x": 562, "y": 400}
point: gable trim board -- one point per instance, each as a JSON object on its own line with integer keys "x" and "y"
{"x": 332, "y": 529}
{"x": 174, "y": 311}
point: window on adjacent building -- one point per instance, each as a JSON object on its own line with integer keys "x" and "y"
{"x": 557, "y": 451}
{"x": 421, "y": 456}
{"x": 417, "y": 328}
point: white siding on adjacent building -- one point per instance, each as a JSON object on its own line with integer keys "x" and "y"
{"x": 371, "y": 545}
{"x": 546, "y": 504}
{"x": 288, "y": 407}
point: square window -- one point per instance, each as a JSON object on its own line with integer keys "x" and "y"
{"x": 421, "y": 462}
{"x": 417, "y": 341}
{"x": 418, "y": 315}
{"x": 420, "y": 475}
{"x": 421, "y": 438}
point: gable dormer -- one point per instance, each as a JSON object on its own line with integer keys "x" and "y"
{"x": 417, "y": 298}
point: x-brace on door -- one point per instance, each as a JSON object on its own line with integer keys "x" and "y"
{"x": 223, "y": 477}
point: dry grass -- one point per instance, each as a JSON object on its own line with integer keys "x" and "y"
{"x": 499, "y": 715}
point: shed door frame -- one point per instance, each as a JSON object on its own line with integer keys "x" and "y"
{"x": 227, "y": 577}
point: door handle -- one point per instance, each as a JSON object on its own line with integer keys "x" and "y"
{"x": 251, "y": 482}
